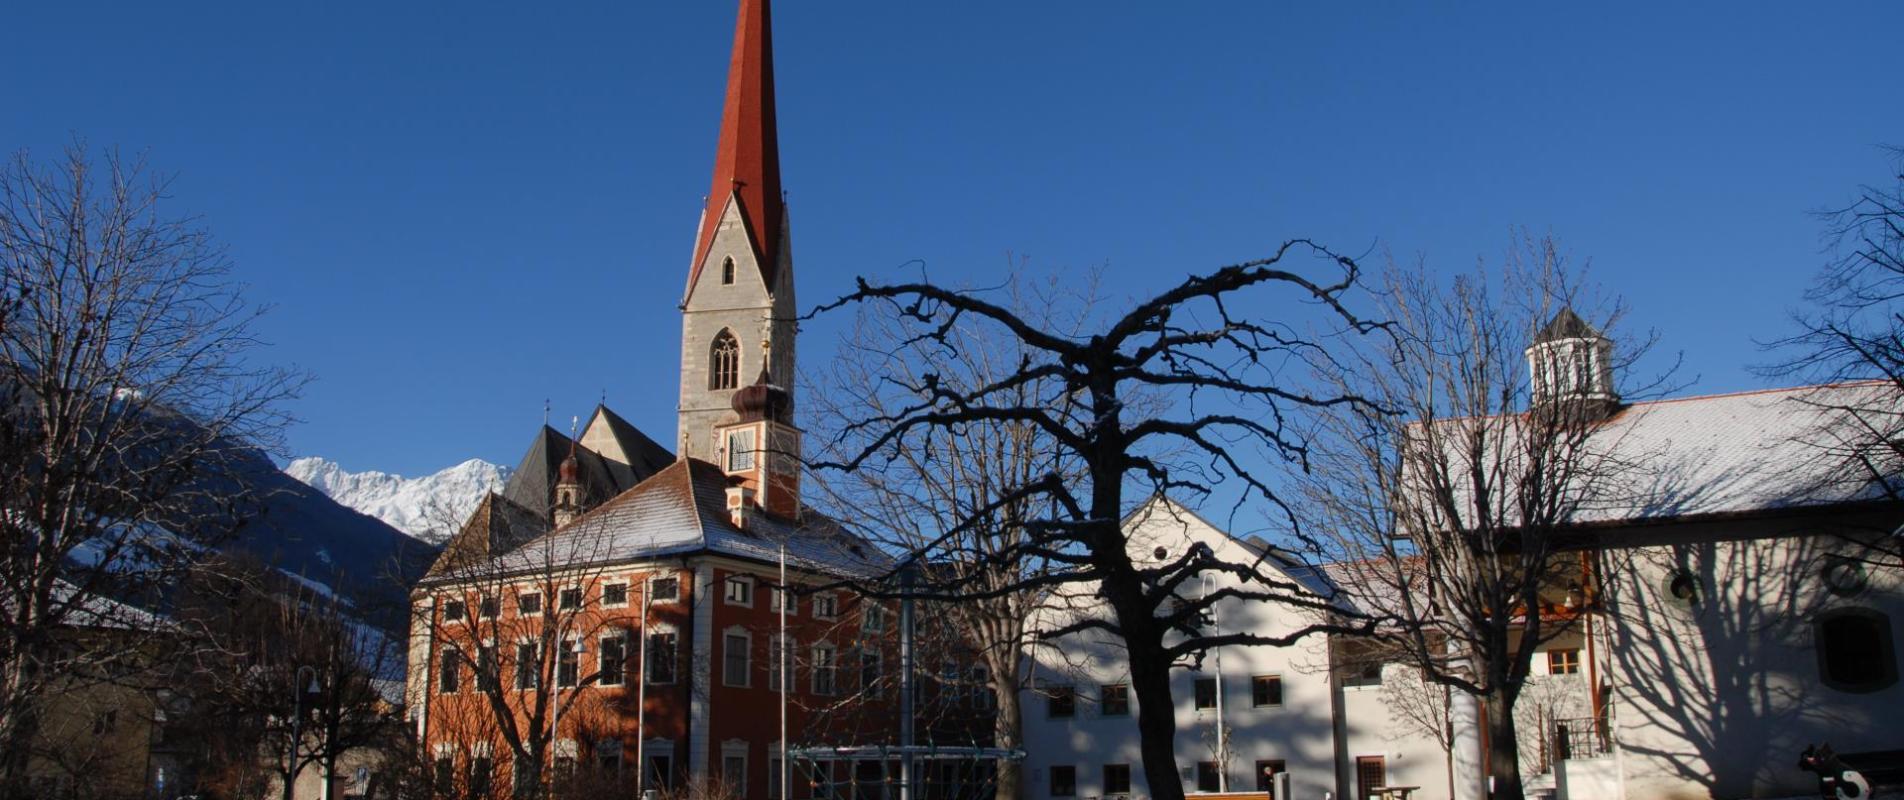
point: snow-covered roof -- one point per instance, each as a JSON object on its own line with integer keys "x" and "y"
{"x": 1731, "y": 454}
{"x": 683, "y": 509}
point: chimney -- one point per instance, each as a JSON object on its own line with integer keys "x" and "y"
{"x": 741, "y": 505}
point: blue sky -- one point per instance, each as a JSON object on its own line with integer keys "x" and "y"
{"x": 461, "y": 210}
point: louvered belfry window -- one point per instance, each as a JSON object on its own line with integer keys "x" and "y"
{"x": 724, "y": 363}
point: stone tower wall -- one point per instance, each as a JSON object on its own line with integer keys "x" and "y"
{"x": 748, "y": 309}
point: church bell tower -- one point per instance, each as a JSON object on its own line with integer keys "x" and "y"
{"x": 737, "y": 316}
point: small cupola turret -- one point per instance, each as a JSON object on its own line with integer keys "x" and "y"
{"x": 1571, "y": 362}
{"x": 568, "y": 490}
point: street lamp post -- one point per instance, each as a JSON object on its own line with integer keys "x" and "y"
{"x": 297, "y": 726}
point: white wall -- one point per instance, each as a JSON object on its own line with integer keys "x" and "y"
{"x": 1299, "y": 732}
{"x": 1718, "y": 699}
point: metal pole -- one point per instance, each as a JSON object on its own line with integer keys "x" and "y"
{"x": 641, "y": 691}
{"x": 905, "y": 684}
{"x": 1222, "y": 739}
{"x": 786, "y": 680}
{"x": 1222, "y": 734}
{"x": 297, "y": 726}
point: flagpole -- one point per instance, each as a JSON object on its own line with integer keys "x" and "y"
{"x": 786, "y": 680}
{"x": 641, "y": 693}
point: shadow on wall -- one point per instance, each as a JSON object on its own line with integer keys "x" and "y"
{"x": 1300, "y": 735}
{"x": 1717, "y": 681}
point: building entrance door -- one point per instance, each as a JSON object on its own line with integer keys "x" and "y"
{"x": 1371, "y": 773}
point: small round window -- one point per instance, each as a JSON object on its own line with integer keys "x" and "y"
{"x": 1843, "y": 576}
{"x": 1681, "y": 589}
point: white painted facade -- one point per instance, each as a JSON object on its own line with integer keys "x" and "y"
{"x": 1712, "y": 699}
{"x": 1301, "y": 734}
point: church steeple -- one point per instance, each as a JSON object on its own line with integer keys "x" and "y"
{"x": 740, "y": 286}
{"x": 747, "y": 159}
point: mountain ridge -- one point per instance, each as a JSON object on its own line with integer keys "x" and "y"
{"x": 428, "y": 508}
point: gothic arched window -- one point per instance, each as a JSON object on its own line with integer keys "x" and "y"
{"x": 723, "y": 368}
{"x": 727, "y": 272}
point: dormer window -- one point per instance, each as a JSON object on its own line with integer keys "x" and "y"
{"x": 723, "y": 369}
{"x": 727, "y": 272}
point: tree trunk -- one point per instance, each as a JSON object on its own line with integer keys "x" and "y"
{"x": 18, "y": 722}
{"x": 1008, "y": 732}
{"x": 1156, "y": 720}
{"x": 1504, "y": 751}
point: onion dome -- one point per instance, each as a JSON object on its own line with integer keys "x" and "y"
{"x": 763, "y": 400}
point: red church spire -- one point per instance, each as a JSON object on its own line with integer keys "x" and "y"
{"x": 747, "y": 161}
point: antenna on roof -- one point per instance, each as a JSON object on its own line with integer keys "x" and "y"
{"x": 604, "y": 402}
{"x": 545, "y": 413}
{"x": 573, "y": 421}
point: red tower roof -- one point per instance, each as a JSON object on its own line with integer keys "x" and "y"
{"x": 747, "y": 161}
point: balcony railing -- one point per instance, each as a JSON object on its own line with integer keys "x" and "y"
{"x": 1583, "y": 737}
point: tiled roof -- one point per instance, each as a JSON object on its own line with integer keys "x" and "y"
{"x": 681, "y": 510}
{"x": 1738, "y": 453}
{"x": 532, "y": 484}
{"x": 497, "y": 525}
{"x": 1728, "y": 454}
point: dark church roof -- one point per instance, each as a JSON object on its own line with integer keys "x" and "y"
{"x": 532, "y": 485}
{"x": 645, "y": 455}
{"x": 497, "y": 526}
{"x": 1565, "y": 325}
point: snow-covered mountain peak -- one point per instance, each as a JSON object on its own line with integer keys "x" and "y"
{"x": 428, "y": 507}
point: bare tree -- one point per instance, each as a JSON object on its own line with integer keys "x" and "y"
{"x": 128, "y": 405}
{"x": 955, "y": 503}
{"x": 1218, "y": 371}
{"x": 508, "y": 632}
{"x": 1449, "y": 498}
{"x": 288, "y": 674}
{"x": 1853, "y": 330}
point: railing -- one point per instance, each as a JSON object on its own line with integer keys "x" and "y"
{"x": 1583, "y": 737}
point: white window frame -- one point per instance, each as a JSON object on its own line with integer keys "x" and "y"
{"x": 671, "y": 576}
{"x": 581, "y": 594}
{"x": 1282, "y": 690}
{"x": 873, "y": 618}
{"x": 747, "y": 656}
{"x": 727, "y": 590}
{"x": 778, "y": 651}
{"x": 826, "y": 606}
{"x": 626, "y": 588}
{"x": 732, "y": 456}
{"x": 735, "y": 749}
{"x": 659, "y": 750}
{"x": 778, "y": 594}
{"x": 621, "y": 675}
{"x": 542, "y": 603}
{"x": 562, "y": 657}
{"x": 535, "y": 675}
{"x": 831, "y": 670}
{"x": 647, "y": 651}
